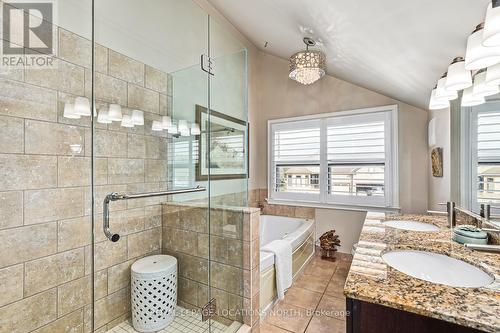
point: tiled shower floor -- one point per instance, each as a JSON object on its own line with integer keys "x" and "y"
{"x": 185, "y": 321}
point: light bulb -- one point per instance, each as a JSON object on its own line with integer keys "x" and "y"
{"x": 69, "y": 111}
{"x": 82, "y": 106}
{"x": 115, "y": 112}
{"x": 138, "y": 117}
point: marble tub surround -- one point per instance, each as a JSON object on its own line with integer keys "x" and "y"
{"x": 371, "y": 279}
{"x": 45, "y": 189}
{"x": 232, "y": 239}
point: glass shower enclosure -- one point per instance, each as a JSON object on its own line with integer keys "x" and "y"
{"x": 109, "y": 111}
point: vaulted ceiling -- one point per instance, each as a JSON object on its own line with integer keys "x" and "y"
{"x": 397, "y": 48}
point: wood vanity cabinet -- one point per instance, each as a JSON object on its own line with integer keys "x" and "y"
{"x": 365, "y": 317}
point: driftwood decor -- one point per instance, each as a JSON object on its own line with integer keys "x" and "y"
{"x": 437, "y": 162}
{"x": 329, "y": 242}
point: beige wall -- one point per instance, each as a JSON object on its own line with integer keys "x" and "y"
{"x": 439, "y": 188}
{"x": 280, "y": 97}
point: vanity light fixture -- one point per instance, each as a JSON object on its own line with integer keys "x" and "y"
{"x": 442, "y": 93}
{"x": 127, "y": 121}
{"x": 138, "y": 117}
{"x": 157, "y": 126}
{"x": 69, "y": 111}
{"x": 458, "y": 77}
{"x": 491, "y": 32}
{"x": 115, "y": 112}
{"x": 195, "y": 129}
{"x": 478, "y": 56}
{"x": 82, "y": 106}
{"x": 307, "y": 66}
{"x": 480, "y": 88}
{"x": 468, "y": 98}
{"x": 437, "y": 104}
{"x": 103, "y": 117}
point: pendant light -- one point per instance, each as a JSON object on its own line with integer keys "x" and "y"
{"x": 491, "y": 32}
{"x": 480, "y": 88}
{"x": 477, "y": 55}
{"x": 437, "y": 104}
{"x": 458, "y": 77}
{"x": 442, "y": 93}
{"x": 307, "y": 66}
{"x": 468, "y": 98}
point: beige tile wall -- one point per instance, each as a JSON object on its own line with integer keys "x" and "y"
{"x": 45, "y": 194}
{"x": 257, "y": 198}
{"x": 234, "y": 257}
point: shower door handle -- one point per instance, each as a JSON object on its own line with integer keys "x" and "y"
{"x": 117, "y": 196}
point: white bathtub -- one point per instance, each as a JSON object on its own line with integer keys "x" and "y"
{"x": 278, "y": 227}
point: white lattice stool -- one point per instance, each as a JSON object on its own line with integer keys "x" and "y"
{"x": 154, "y": 292}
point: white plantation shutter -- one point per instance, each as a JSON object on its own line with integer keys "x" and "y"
{"x": 356, "y": 139}
{"x": 356, "y": 153}
{"x": 184, "y": 157}
{"x": 488, "y": 158}
{"x": 346, "y": 158}
{"x": 295, "y": 159}
{"x": 488, "y": 137}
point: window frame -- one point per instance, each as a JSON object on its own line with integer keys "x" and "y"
{"x": 391, "y": 176}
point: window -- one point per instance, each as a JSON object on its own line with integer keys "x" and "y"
{"x": 342, "y": 158}
{"x": 483, "y": 137}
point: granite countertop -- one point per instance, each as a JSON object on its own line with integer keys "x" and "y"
{"x": 370, "y": 279}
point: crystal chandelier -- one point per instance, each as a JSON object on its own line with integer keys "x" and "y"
{"x": 307, "y": 67}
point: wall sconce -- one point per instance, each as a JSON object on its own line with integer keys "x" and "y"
{"x": 138, "y": 117}
{"x": 69, "y": 111}
{"x": 115, "y": 112}
{"x": 82, "y": 106}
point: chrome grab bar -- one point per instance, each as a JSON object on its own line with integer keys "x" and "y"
{"x": 117, "y": 196}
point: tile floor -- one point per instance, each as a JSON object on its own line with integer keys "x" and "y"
{"x": 315, "y": 303}
{"x": 186, "y": 321}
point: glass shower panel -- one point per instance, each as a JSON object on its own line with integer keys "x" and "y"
{"x": 225, "y": 129}
{"x": 45, "y": 165}
{"x": 144, "y": 53}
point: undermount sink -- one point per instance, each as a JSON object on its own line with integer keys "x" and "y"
{"x": 437, "y": 268}
{"x": 411, "y": 225}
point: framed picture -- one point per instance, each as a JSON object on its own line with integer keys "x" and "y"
{"x": 227, "y": 147}
{"x": 437, "y": 162}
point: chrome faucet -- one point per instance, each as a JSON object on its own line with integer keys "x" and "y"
{"x": 450, "y": 209}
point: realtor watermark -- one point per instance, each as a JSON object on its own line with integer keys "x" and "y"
{"x": 28, "y": 34}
